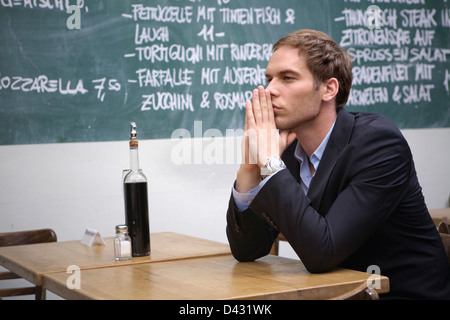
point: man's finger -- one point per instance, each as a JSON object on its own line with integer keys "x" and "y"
{"x": 263, "y": 104}
{"x": 249, "y": 115}
{"x": 256, "y": 107}
{"x": 247, "y": 104}
{"x": 271, "y": 117}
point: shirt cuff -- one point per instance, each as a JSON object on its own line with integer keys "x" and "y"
{"x": 243, "y": 200}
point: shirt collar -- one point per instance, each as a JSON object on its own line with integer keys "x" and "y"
{"x": 316, "y": 156}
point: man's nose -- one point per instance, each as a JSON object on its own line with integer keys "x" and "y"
{"x": 271, "y": 86}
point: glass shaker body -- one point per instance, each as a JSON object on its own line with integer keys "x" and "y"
{"x": 122, "y": 243}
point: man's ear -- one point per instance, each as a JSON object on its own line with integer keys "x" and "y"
{"x": 331, "y": 88}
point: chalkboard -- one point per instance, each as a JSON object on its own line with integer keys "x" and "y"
{"x": 81, "y": 70}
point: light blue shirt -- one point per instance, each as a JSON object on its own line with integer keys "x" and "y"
{"x": 243, "y": 200}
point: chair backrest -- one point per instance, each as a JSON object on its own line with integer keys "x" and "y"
{"x": 443, "y": 226}
{"x": 276, "y": 244}
{"x": 361, "y": 292}
{"x": 23, "y": 238}
{"x": 446, "y": 241}
{"x": 27, "y": 237}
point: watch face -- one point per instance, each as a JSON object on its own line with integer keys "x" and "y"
{"x": 275, "y": 164}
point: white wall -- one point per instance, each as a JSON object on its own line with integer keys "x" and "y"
{"x": 70, "y": 186}
{"x": 431, "y": 151}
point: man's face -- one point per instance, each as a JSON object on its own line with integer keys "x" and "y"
{"x": 295, "y": 99}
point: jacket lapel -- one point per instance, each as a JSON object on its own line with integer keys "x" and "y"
{"x": 291, "y": 162}
{"x": 337, "y": 143}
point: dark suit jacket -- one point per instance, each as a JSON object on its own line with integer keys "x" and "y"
{"x": 364, "y": 207}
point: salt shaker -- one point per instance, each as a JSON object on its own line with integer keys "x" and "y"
{"x": 122, "y": 243}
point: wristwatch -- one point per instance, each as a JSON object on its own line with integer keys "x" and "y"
{"x": 273, "y": 165}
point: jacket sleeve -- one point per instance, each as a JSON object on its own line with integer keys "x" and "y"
{"x": 250, "y": 237}
{"x": 371, "y": 176}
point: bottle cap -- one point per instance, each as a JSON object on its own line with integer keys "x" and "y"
{"x": 133, "y": 133}
{"x": 121, "y": 228}
{"x": 133, "y": 136}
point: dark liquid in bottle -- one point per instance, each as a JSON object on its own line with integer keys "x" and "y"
{"x": 136, "y": 213}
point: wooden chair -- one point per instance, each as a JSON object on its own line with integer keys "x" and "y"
{"x": 361, "y": 292}
{"x": 443, "y": 226}
{"x": 446, "y": 240}
{"x": 21, "y": 238}
{"x": 276, "y": 245}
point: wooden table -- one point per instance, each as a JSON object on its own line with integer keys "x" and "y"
{"x": 32, "y": 261}
{"x": 215, "y": 277}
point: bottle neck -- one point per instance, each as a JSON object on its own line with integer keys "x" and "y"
{"x": 134, "y": 159}
{"x": 135, "y": 175}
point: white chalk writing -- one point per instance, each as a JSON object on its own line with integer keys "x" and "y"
{"x": 42, "y": 84}
{"x": 395, "y": 58}
{"x": 188, "y": 55}
{"x": 155, "y": 44}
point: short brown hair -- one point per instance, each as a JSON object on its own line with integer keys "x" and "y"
{"x": 324, "y": 58}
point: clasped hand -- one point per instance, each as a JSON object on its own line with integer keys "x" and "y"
{"x": 262, "y": 139}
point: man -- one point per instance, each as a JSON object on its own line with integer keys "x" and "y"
{"x": 345, "y": 191}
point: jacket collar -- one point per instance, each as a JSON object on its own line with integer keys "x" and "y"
{"x": 339, "y": 139}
